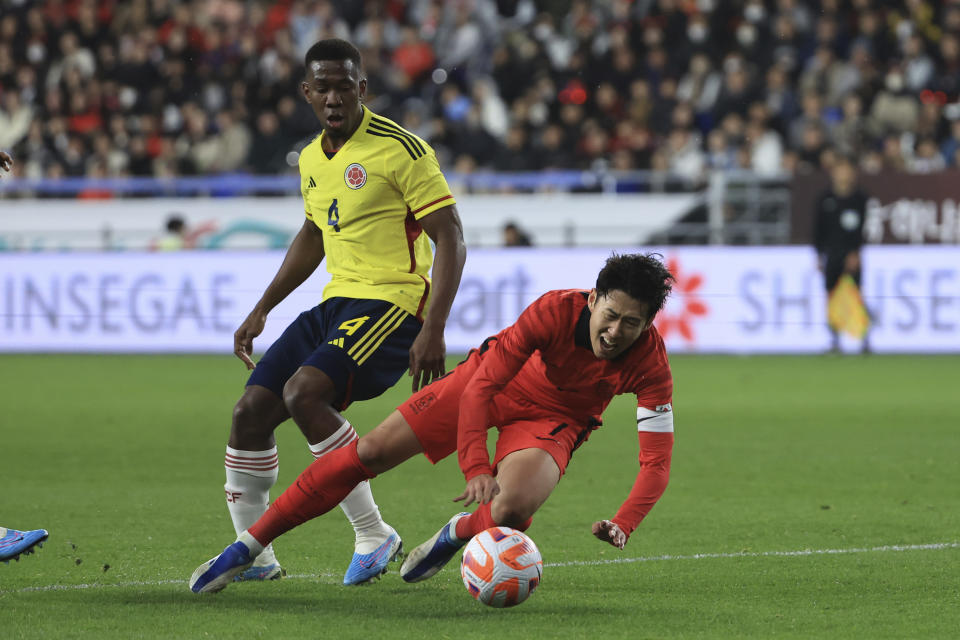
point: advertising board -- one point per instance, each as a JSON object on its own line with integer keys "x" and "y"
{"x": 726, "y": 299}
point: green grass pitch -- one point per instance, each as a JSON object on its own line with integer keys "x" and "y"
{"x": 849, "y": 465}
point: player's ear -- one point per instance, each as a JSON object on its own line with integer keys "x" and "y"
{"x": 305, "y": 90}
{"x": 592, "y": 300}
{"x": 649, "y": 323}
{"x": 363, "y": 88}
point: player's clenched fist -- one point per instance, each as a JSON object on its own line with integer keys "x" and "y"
{"x": 611, "y": 532}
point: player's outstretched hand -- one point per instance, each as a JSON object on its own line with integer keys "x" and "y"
{"x": 610, "y": 532}
{"x": 480, "y": 489}
{"x": 243, "y": 337}
{"x": 6, "y": 161}
{"x": 427, "y": 358}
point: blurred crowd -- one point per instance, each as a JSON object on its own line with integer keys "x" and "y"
{"x": 185, "y": 87}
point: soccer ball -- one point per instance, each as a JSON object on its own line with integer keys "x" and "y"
{"x": 501, "y": 567}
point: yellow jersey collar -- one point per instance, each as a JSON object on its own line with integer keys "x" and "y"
{"x": 364, "y": 121}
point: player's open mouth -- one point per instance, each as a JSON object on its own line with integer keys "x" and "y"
{"x": 606, "y": 345}
{"x": 335, "y": 120}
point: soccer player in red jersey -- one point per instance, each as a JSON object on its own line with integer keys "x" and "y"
{"x": 543, "y": 383}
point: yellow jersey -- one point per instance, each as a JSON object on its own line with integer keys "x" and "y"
{"x": 367, "y": 200}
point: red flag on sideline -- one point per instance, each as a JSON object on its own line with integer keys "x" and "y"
{"x": 845, "y": 309}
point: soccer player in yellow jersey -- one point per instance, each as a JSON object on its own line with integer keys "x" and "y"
{"x": 373, "y": 194}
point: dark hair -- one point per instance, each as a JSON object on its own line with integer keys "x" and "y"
{"x": 846, "y": 158}
{"x": 643, "y": 277}
{"x": 332, "y": 49}
{"x": 175, "y": 223}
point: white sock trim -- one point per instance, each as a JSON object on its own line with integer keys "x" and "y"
{"x": 249, "y": 477}
{"x": 340, "y": 438}
{"x": 262, "y": 464}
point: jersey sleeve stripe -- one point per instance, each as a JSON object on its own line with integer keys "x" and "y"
{"x": 430, "y": 204}
{"x": 654, "y": 421}
{"x": 395, "y": 137}
{"x": 385, "y": 125}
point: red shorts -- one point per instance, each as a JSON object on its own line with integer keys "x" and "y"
{"x": 433, "y": 413}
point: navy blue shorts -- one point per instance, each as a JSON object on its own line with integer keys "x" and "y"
{"x": 363, "y": 345}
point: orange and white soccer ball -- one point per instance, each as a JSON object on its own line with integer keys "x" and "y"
{"x": 501, "y": 567}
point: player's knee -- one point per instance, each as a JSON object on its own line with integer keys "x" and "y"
{"x": 247, "y": 419}
{"x": 297, "y": 397}
{"x": 508, "y": 513}
{"x": 255, "y": 416}
{"x": 372, "y": 454}
{"x": 305, "y": 394}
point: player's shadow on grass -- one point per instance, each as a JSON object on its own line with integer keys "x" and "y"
{"x": 402, "y": 602}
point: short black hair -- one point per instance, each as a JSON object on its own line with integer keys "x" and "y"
{"x": 846, "y": 158}
{"x": 642, "y": 276}
{"x": 332, "y": 49}
{"x": 175, "y": 223}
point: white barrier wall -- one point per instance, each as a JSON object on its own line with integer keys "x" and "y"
{"x": 267, "y": 223}
{"x": 736, "y": 300}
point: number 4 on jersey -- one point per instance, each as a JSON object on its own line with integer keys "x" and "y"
{"x": 333, "y": 216}
{"x": 350, "y": 326}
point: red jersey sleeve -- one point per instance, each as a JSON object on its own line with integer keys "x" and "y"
{"x": 655, "y": 433}
{"x": 507, "y": 354}
{"x": 655, "y": 454}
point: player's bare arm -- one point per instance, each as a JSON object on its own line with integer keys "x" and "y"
{"x": 428, "y": 352}
{"x": 6, "y": 161}
{"x": 302, "y": 259}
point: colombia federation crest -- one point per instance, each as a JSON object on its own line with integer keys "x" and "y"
{"x": 355, "y": 176}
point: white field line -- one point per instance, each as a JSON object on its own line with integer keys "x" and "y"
{"x": 762, "y": 554}
{"x": 334, "y": 578}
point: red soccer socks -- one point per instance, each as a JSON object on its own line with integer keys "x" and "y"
{"x": 321, "y": 487}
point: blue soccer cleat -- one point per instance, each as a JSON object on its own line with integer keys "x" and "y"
{"x": 431, "y": 556}
{"x": 13, "y": 542}
{"x": 215, "y": 574}
{"x": 272, "y": 571}
{"x": 367, "y": 566}
{"x": 265, "y": 567}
